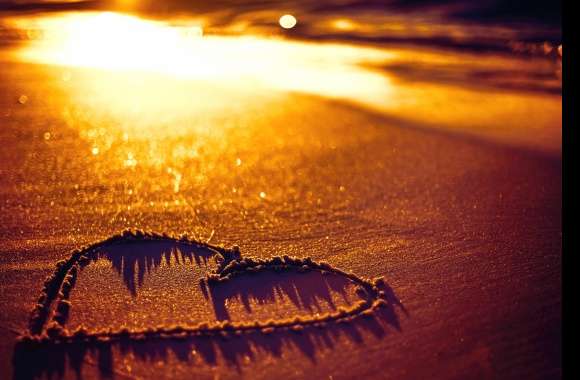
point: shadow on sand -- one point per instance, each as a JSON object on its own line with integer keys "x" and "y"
{"x": 133, "y": 261}
{"x": 310, "y": 292}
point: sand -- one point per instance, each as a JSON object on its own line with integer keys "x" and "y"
{"x": 466, "y": 231}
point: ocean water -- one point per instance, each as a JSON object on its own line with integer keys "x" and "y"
{"x": 486, "y": 69}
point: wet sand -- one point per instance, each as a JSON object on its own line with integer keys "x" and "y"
{"x": 465, "y": 231}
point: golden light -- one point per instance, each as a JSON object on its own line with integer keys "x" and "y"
{"x": 343, "y": 24}
{"x": 287, "y": 21}
{"x": 148, "y": 73}
{"x": 131, "y": 45}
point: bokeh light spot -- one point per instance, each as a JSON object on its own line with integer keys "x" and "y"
{"x": 287, "y": 21}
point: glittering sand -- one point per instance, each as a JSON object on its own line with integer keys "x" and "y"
{"x": 463, "y": 227}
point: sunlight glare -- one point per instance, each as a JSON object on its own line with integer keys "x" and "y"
{"x": 119, "y": 42}
{"x": 148, "y": 73}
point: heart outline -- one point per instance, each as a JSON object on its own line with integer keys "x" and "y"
{"x": 47, "y": 324}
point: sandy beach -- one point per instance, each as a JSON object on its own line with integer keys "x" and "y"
{"x": 463, "y": 225}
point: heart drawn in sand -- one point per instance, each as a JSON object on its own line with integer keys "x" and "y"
{"x": 47, "y": 324}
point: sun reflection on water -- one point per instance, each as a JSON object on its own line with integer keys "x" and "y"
{"x": 120, "y": 42}
{"x": 158, "y": 76}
